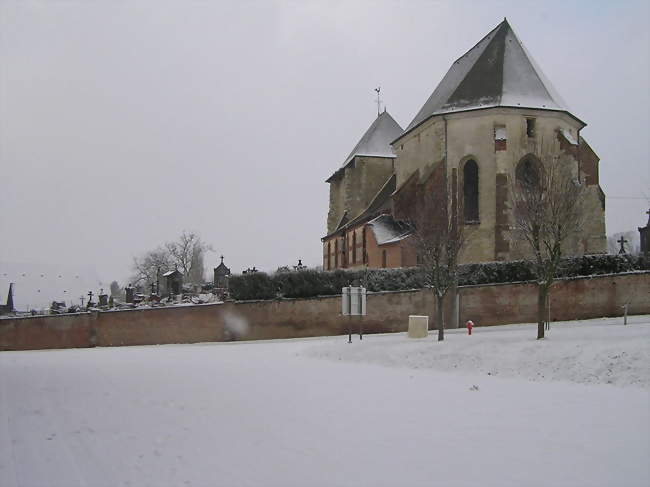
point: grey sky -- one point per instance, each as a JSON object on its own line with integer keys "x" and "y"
{"x": 124, "y": 122}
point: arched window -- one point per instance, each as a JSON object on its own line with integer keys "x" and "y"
{"x": 528, "y": 171}
{"x": 470, "y": 191}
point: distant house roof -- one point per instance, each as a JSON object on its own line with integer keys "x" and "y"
{"x": 169, "y": 273}
{"x": 387, "y": 230}
{"x": 375, "y": 142}
{"x": 497, "y": 72}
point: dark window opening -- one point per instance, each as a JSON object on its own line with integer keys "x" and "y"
{"x": 530, "y": 127}
{"x": 470, "y": 191}
{"x": 365, "y": 255}
{"x": 354, "y": 247}
{"x": 383, "y": 258}
{"x": 528, "y": 172}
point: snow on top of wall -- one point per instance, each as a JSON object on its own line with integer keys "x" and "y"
{"x": 569, "y": 137}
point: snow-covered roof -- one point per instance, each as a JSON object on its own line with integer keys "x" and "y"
{"x": 386, "y": 230}
{"x": 498, "y": 71}
{"x": 569, "y": 137}
{"x": 169, "y": 273}
{"x": 376, "y": 141}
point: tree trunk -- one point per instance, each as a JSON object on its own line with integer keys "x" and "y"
{"x": 541, "y": 309}
{"x": 440, "y": 312}
{"x": 455, "y": 308}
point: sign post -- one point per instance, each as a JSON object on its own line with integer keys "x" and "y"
{"x": 353, "y": 303}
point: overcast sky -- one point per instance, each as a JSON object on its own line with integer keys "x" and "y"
{"x": 124, "y": 122}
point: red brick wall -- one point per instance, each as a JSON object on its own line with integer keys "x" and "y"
{"x": 588, "y": 163}
{"x": 387, "y": 312}
{"x": 183, "y": 324}
{"x": 40, "y": 332}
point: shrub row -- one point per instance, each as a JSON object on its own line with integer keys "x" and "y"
{"x": 309, "y": 283}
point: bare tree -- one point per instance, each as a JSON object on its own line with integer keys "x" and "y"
{"x": 148, "y": 268}
{"x": 547, "y": 202}
{"x": 116, "y": 290}
{"x": 438, "y": 240}
{"x": 187, "y": 254}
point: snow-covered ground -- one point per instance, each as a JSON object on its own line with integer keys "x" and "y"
{"x": 495, "y": 409}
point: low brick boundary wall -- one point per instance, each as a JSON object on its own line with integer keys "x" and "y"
{"x": 486, "y": 305}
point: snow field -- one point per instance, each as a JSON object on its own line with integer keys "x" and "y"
{"x": 270, "y": 414}
{"x": 601, "y": 351}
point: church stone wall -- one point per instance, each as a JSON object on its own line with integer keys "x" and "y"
{"x": 355, "y": 189}
{"x": 363, "y": 180}
{"x": 420, "y": 149}
{"x": 471, "y": 135}
{"x": 337, "y": 204}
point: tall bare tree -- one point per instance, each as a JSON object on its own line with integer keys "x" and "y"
{"x": 438, "y": 240}
{"x": 148, "y": 267}
{"x": 547, "y": 199}
{"x": 187, "y": 254}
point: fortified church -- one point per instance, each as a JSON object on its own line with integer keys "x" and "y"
{"x": 492, "y": 116}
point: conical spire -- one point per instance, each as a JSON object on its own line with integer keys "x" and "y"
{"x": 498, "y": 71}
{"x": 376, "y": 141}
{"x": 10, "y": 297}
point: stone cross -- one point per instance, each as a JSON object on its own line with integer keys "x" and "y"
{"x": 90, "y": 296}
{"x": 622, "y": 241}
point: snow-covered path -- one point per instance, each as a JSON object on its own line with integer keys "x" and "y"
{"x": 271, "y": 414}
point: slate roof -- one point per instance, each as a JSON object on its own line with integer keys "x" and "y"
{"x": 498, "y": 71}
{"x": 376, "y": 141}
{"x": 221, "y": 269}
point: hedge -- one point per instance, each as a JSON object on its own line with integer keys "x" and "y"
{"x": 309, "y": 283}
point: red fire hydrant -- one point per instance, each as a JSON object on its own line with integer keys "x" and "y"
{"x": 470, "y": 325}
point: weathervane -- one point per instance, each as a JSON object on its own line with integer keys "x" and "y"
{"x": 378, "y": 100}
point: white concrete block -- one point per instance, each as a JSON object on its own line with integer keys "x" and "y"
{"x": 418, "y": 326}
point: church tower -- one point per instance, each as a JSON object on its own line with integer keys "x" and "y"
{"x": 363, "y": 173}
